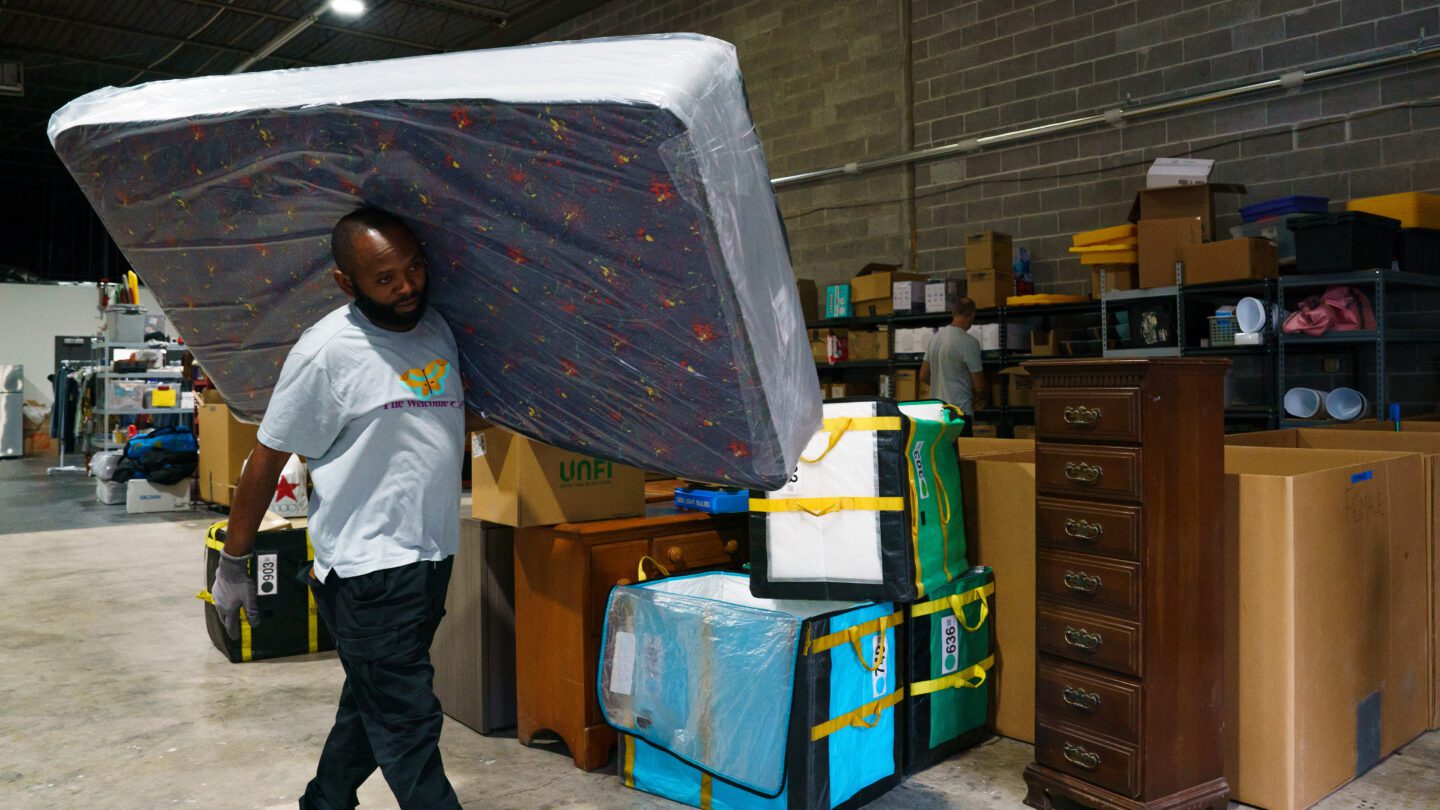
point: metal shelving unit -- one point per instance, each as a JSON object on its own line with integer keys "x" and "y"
{"x": 101, "y": 433}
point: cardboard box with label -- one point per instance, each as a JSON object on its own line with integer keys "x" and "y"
{"x": 225, "y": 442}
{"x": 872, "y": 291}
{"x": 518, "y": 482}
{"x": 989, "y": 288}
{"x": 837, "y": 301}
{"x": 1020, "y": 393}
{"x": 809, "y": 299}
{"x": 1161, "y": 241}
{"x": 988, "y": 250}
{"x": 1178, "y": 172}
{"x": 1180, "y": 202}
{"x": 1325, "y": 619}
{"x": 147, "y": 496}
{"x": 940, "y": 294}
{"x": 1229, "y": 260}
{"x": 1112, "y": 278}
{"x": 908, "y": 296}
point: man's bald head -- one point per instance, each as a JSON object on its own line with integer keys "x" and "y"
{"x": 345, "y": 238}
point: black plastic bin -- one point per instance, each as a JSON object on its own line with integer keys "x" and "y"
{"x": 1344, "y": 240}
{"x": 1419, "y": 250}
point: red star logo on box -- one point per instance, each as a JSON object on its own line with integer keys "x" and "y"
{"x": 285, "y": 488}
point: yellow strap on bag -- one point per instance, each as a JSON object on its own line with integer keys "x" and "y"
{"x": 706, "y": 787}
{"x": 312, "y": 620}
{"x": 853, "y": 636}
{"x": 968, "y": 678}
{"x": 627, "y": 772}
{"x": 640, "y": 574}
{"x": 824, "y": 506}
{"x": 866, "y": 716}
{"x": 957, "y": 602}
{"x": 840, "y": 425}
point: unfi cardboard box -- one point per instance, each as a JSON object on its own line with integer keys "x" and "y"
{"x": 518, "y": 482}
{"x": 1427, "y": 445}
{"x": 999, "y": 501}
{"x": 1325, "y": 602}
{"x": 225, "y": 442}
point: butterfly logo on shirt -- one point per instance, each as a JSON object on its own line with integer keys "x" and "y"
{"x": 429, "y": 381}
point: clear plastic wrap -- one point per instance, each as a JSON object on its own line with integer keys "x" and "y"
{"x": 699, "y": 667}
{"x": 599, "y": 223}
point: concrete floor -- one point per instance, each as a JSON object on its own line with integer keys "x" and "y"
{"x": 112, "y": 696}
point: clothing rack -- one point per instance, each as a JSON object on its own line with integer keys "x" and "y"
{"x": 65, "y": 366}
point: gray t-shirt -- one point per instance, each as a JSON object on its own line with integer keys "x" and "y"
{"x": 953, "y": 355}
{"x": 380, "y": 416}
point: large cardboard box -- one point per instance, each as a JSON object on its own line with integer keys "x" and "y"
{"x": 1021, "y": 395}
{"x": 1325, "y": 602}
{"x": 1181, "y": 201}
{"x": 1112, "y": 278}
{"x": 147, "y": 496}
{"x": 872, "y": 292}
{"x": 1427, "y": 445}
{"x": 1229, "y": 260}
{"x": 225, "y": 443}
{"x": 907, "y": 385}
{"x": 515, "y": 481}
{"x": 999, "y": 502}
{"x": 869, "y": 344}
{"x": 989, "y": 288}
{"x": 1161, "y": 241}
{"x": 988, "y": 250}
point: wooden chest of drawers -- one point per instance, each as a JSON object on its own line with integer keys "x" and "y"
{"x": 563, "y": 577}
{"x": 1129, "y": 472}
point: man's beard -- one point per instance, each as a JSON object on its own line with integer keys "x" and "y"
{"x": 388, "y": 317}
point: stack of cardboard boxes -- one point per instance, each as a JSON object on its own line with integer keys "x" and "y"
{"x": 990, "y": 279}
{"x": 1175, "y": 215}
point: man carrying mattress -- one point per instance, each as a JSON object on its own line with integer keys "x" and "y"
{"x": 371, "y": 396}
{"x": 952, "y": 364}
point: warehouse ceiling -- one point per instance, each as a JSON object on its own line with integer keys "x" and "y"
{"x": 66, "y": 48}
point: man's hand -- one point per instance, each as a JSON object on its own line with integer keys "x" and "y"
{"x": 233, "y": 589}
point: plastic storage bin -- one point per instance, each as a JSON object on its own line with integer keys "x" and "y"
{"x": 1351, "y": 240}
{"x": 1276, "y": 230}
{"x": 1295, "y": 204}
{"x": 1412, "y": 208}
{"x": 948, "y": 659}
{"x": 726, "y": 700}
{"x": 1222, "y": 330}
{"x": 1418, "y": 250}
{"x": 715, "y": 501}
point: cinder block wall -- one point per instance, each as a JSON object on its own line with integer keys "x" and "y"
{"x": 834, "y": 82}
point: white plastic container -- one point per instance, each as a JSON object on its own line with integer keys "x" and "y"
{"x": 1305, "y": 403}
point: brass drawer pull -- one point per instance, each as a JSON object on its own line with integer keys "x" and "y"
{"x": 1082, "y": 472}
{"x": 1081, "y": 415}
{"x": 1075, "y": 755}
{"x": 1083, "y": 529}
{"x": 1080, "y": 699}
{"x": 1081, "y": 581}
{"x": 1082, "y": 638}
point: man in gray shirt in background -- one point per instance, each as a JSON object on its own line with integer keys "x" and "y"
{"x": 952, "y": 364}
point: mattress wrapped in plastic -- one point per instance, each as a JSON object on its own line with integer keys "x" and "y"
{"x": 726, "y": 700}
{"x": 948, "y": 660}
{"x": 597, "y": 217}
{"x": 872, "y": 511}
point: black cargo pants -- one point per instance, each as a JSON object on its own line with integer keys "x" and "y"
{"x": 383, "y": 623}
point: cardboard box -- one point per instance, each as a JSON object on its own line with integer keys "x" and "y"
{"x": 1181, "y": 201}
{"x": 837, "y": 301}
{"x": 147, "y": 496}
{"x": 1044, "y": 342}
{"x": 841, "y": 390}
{"x": 1021, "y": 394}
{"x": 872, "y": 291}
{"x": 1424, "y": 443}
{"x": 515, "y": 481}
{"x": 1325, "y": 618}
{"x": 1230, "y": 260}
{"x": 110, "y": 492}
{"x": 1023, "y": 432}
{"x": 809, "y": 299}
{"x": 940, "y": 294}
{"x": 907, "y": 385}
{"x": 914, "y": 340}
{"x": 1112, "y": 278}
{"x": 908, "y": 296}
{"x": 1166, "y": 172}
{"x": 973, "y": 447}
{"x": 987, "y": 430}
{"x": 869, "y": 344}
{"x": 988, "y": 250}
{"x": 1161, "y": 241}
{"x": 999, "y": 502}
{"x": 225, "y": 442}
{"x": 990, "y": 288}
{"x": 38, "y": 444}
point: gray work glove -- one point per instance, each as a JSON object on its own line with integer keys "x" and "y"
{"x": 235, "y": 588}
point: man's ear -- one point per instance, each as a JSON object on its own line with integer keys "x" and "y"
{"x": 343, "y": 282}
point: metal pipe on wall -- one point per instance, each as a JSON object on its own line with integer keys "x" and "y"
{"x": 1114, "y": 117}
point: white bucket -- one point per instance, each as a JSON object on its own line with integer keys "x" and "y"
{"x": 1304, "y": 403}
{"x": 1346, "y": 404}
{"x": 1250, "y": 315}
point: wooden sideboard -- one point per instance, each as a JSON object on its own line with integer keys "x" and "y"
{"x": 1129, "y": 471}
{"x": 563, "y": 577}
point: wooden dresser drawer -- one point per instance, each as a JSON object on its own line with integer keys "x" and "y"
{"x": 681, "y": 552}
{"x": 1087, "y": 637}
{"x": 1089, "y": 581}
{"x": 1098, "y": 528}
{"x": 1089, "y": 698}
{"x": 1094, "y": 472}
{"x": 1109, "y": 764}
{"x": 1088, "y": 414}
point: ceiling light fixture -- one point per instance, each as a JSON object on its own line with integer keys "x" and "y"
{"x": 348, "y": 8}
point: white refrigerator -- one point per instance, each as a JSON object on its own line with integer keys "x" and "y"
{"x": 12, "y": 411}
